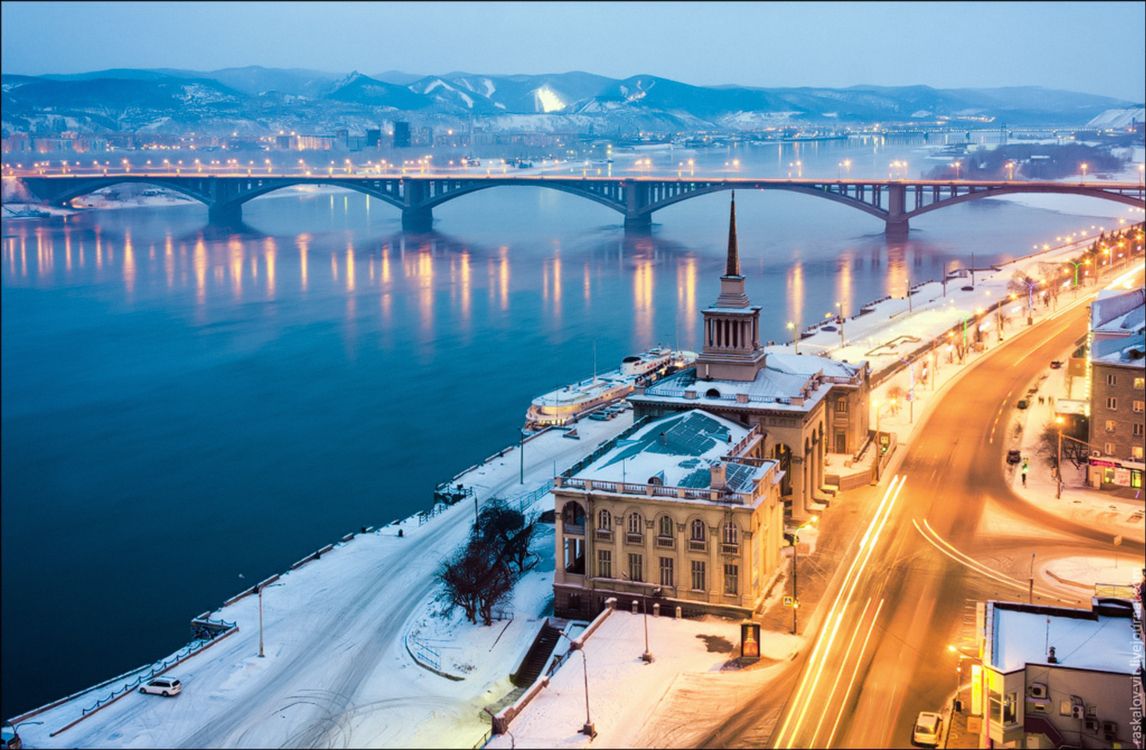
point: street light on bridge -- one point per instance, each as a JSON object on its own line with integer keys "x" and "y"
{"x": 1082, "y": 168}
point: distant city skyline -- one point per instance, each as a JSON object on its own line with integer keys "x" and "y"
{"x": 1095, "y": 48}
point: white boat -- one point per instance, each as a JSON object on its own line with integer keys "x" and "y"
{"x": 565, "y": 405}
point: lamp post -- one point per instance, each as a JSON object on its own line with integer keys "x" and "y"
{"x": 958, "y": 673}
{"x": 588, "y": 729}
{"x": 1031, "y": 582}
{"x": 795, "y": 337}
{"x": 1058, "y": 461}
{"x": 795, "y": 596}
{"x": 260, "y": 590}
{"x": 840, "y": 318}
{"x": 1082, "y": 168}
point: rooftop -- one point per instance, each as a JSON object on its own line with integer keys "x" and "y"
{"x": 1023, "y": 634}
{"x": 677, "y": 451}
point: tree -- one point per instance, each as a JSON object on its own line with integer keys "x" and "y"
{"x": 476, "y": 579}
{"x": 509, "y": 529}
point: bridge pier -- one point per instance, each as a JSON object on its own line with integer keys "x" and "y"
{"x": 417, "y": 219}
{"x": 896, "y": 230}
{"x": 639, "y": 224}
{"x": 225, "y": 213}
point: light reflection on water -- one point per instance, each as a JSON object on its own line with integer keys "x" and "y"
{"x": 238, "y": 396}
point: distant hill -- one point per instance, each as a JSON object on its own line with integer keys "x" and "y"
{"x": 258, "y": 99}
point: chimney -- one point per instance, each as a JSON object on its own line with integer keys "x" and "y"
{"x": 1051, "y": 658}
{"x": 719, "y": 473}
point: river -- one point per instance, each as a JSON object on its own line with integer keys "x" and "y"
{"x": 187, "y": 409}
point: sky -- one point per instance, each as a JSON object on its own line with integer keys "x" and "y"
{"x": 1092, "y": 47}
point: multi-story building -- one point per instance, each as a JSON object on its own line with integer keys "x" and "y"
{"x": 1117, "y": 389}
{"x": 683, "y": 511}
{"x": 803, "y": 405}
{"x": 1059, "y": 677}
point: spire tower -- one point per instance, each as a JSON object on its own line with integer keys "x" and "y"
{"x": 732, "y": 268}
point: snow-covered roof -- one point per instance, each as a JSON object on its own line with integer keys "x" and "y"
{"x": 1128, "y": 351}
{"x": 1021, "y": 635}
{"x": 679, "y": 450}
{"x": 1115, "y": 311}
{"x": 800, "y": 364}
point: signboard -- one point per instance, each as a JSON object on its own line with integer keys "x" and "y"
{"x": 749, "y": 641}
{"x": 789, "y": 601}
{"x": 1122, "y": 476}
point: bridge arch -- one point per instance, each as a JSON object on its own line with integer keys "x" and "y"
{"x": 358, "y": 187}
{"x": 617, "y": 204}
{"x": 802, "y": 189}
{"x": 88, "y": 186}
{"x": 995, "y": 192}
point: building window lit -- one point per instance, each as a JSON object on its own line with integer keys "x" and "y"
{"x": 1111, "y": 425}
{"x": 1139, "y": 384}
{"x": 1138, "y": 407}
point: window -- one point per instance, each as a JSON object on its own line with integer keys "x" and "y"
{"x": 697, "y": 530}
{"x": 841, "y": 406}
{"x": 1009, "y": 709}
{"x": 731, "y": 533}
{"x": 574, "y": 556}
{"x": 1138, "y": 407}
{"x": 636, "y": 567}
{"x": 1139, "y": 384}
{"x": 1112, "y": 403}
{"x": 666, "y": 526}
{"x": 636, "y": 523}
{"x": 1137, "y": 429}
{"x": 1111, "y": 379}
{"x": 604, "y": 520}
{"x": 605, "y": 563}
{"x": 732, "y": 579}
{"x": 1111, "y": 425}
{"x": 697, "y": 575}
{"x": 1136, "y": 452}
{"x": 666, "y": 571}
{"x": 1109, "y": 449}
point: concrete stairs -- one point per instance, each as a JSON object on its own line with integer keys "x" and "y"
{"x": 537, "y": 656}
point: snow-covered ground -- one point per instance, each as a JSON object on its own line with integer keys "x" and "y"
{"x": 670, "y": 702}
{"x": 336, "y": 670}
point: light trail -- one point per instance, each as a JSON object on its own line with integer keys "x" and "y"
{"x": 834, "y": 618}
{"x": 962, "y": 558}
{"x": 840, "y": 672}
{"x": 852, "y": 679}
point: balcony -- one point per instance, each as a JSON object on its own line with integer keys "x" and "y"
{"x": 576, "y": 529}
{"x": 604, "y": 534}
{"x": 730, "y": 549}
{"x": 632, "y": 538}
{"x": 665, "y": 542}
{"x": 697, "y": 545}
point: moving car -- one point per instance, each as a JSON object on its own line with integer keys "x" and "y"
{"x": 1014, "y": 456}
{"x": 165, "y": 686}
{"x": 1023, "y": 403}
{"x": 926, "y": 732}
{"x": 1056, "y": 363}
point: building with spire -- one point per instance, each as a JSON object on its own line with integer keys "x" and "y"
{"x": 803, "y": 406}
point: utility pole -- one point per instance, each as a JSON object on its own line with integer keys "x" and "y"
{"x": 1031, "y": 586}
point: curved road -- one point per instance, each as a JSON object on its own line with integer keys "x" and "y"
{"x": 908, "y": 586}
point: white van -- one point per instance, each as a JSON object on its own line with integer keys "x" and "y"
{"x": 165, "y": 686}
{"x": 927, "y": 726}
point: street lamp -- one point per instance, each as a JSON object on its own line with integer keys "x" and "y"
{"x": 1010, "y": 170}
{"x": 1083, "y": 167}
{"x": 795, "y": 540}
{"x": 588, "y": 729}
{"x": 260, "y": 590}
{"x": 840, "y": 318}
{"x": 795, "y": 337}
{"x": 956, "y": 164}
{"x": 1058, "y": 461}
{"x": 956, "y": 704}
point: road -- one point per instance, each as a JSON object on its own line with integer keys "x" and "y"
{"x": 908, "y": 586}
{"x": 336, "y": 673}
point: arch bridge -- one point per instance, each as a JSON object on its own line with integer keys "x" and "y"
{"x": 895, "y": 202}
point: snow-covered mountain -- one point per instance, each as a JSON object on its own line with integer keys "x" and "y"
{"x": 257, "y": 99}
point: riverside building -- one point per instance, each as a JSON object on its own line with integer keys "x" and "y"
{"x": 802, "y": 406}
{"x": 682, "y": 511}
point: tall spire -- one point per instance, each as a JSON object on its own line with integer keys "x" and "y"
{"x": 732, "y": 268}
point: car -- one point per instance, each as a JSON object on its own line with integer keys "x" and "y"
{"x": 1014, "y": 456}
{"x": 926, "y": 732}
{"x": 165, "y": 686}
{"x": 1023, "y": 403}
{"x": 1056, "y": 363}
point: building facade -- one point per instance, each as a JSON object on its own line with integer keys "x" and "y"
{"x": 803, "y": 406}
{"x": 684, "y": 511}
{"x": 1117, "y": 360}
{"x": 1059, "y": 677}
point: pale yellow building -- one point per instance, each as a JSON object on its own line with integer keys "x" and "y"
{"x": 682, "y": 511}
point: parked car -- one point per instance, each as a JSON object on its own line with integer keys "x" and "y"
{"x": 9, "y": 739}
{"x": 1056, "y": 363}
{"x": 1023, "y": 403}
{"x": 926, "y": 733}
{"x": 165, "y": 686}
{"x": 1014, "y": 456}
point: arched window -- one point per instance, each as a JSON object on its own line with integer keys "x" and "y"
{"x": 604, "y": 520}
{"x": 666, "y": 526}
{"x": 636, "y": 523}
{"x": 698, "y": 530}
{"x": 731, "y": 533}
{"x": 712, "y": 393}
{"x": 573, "y": 515}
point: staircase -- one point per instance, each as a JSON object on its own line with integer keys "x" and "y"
{"x": 537, "y": 656}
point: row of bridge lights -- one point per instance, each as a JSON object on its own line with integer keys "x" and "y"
{"x": 896, "y": 169}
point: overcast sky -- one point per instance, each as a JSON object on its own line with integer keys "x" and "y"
{"x": 1094, "y": 47}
